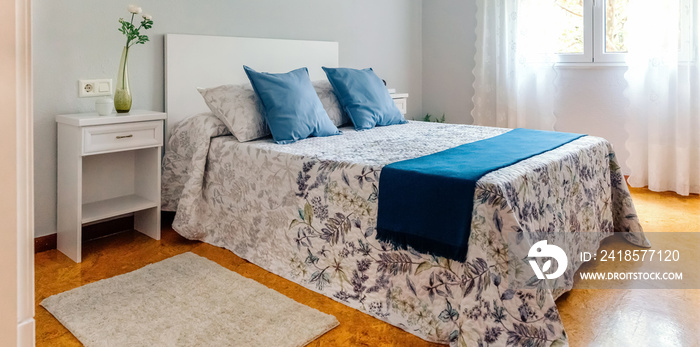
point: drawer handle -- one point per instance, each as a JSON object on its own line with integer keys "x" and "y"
{"x": 119, "y": 137}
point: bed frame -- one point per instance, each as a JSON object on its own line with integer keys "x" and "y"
{"x": 193, "y": 61}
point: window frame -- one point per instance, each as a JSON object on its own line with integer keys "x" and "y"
{"x": 593, "y": 38}
{"x": 599, "y": 36}
{"x": 587, "y": 55}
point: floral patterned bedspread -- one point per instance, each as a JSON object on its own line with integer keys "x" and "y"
{"x": 307, "y": 212}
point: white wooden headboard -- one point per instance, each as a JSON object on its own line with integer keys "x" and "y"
{"x": 193, "y": 61}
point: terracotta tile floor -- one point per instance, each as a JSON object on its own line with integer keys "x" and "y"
{"x": 592, "y": 317}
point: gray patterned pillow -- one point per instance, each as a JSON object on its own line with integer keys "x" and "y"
{"x": 330, "y": 103}
{"x": 239, "y": 108}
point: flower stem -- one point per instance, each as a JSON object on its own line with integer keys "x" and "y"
{"x": 128, "y": 35}
{"x": 126, "y": 58}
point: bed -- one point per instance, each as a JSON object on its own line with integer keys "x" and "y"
{"x": 307, "y": 211}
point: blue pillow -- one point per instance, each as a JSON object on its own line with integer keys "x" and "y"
{"x": 364, "y": 97}
{"x": 293, "y": 110}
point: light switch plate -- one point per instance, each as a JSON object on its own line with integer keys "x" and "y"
{"x": 96, "y": 87}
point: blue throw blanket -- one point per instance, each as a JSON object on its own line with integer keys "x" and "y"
{"x": 427, "y": 202}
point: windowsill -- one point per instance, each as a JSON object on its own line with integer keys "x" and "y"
{"x": 591, "y": 65}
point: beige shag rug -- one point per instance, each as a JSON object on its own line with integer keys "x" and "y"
{"x": 185, "y": 300}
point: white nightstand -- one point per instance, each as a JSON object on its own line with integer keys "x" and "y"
{"x": 108, "y": 166}
{"x": 400, "y": 99}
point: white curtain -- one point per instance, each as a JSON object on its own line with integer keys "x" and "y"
{"x": 664, "y": 93}
{"x": 514, "y": 73}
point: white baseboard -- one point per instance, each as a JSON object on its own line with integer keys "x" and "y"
{"x": 26, "y": 333}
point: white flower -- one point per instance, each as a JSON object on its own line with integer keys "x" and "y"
{"x": 134, "y": 9}
{"x": 147, "y": 17}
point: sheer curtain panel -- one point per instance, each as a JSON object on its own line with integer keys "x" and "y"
{"x": 514, "y": 73}
{"x": 664, "y": 93}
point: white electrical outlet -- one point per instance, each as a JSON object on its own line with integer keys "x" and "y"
{"x": 90, "y": 88}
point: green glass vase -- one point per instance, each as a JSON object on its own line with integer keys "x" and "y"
{"x": 122, "y": 93}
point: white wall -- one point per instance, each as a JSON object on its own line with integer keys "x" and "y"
{"x": 76, "y": 39}
{"x": 448, "y": 59}
{"x": 589, "y": 100}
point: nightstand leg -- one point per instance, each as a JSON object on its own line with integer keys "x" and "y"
{"x": 148, "y": 222}
{"x": 148, "y": 186}
{"x": 69, "y": 193}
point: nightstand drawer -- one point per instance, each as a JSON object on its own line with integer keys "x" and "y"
{"x": 116, "y": 137}
{"x": 401, "y": 105}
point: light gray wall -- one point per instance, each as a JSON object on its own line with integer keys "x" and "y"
{"x": 74, "y": 39}
{"x": 448, "y": 59}
{"x": 589, "y": 100}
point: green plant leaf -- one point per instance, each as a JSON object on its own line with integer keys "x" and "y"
{"x": 426, "y": 265}
{"x": 308, "y": 213}
{"x": 293, "y": 223}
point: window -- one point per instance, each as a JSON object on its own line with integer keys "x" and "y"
{"x": 595, "y": 30}
{"x": 592, "y": 30}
